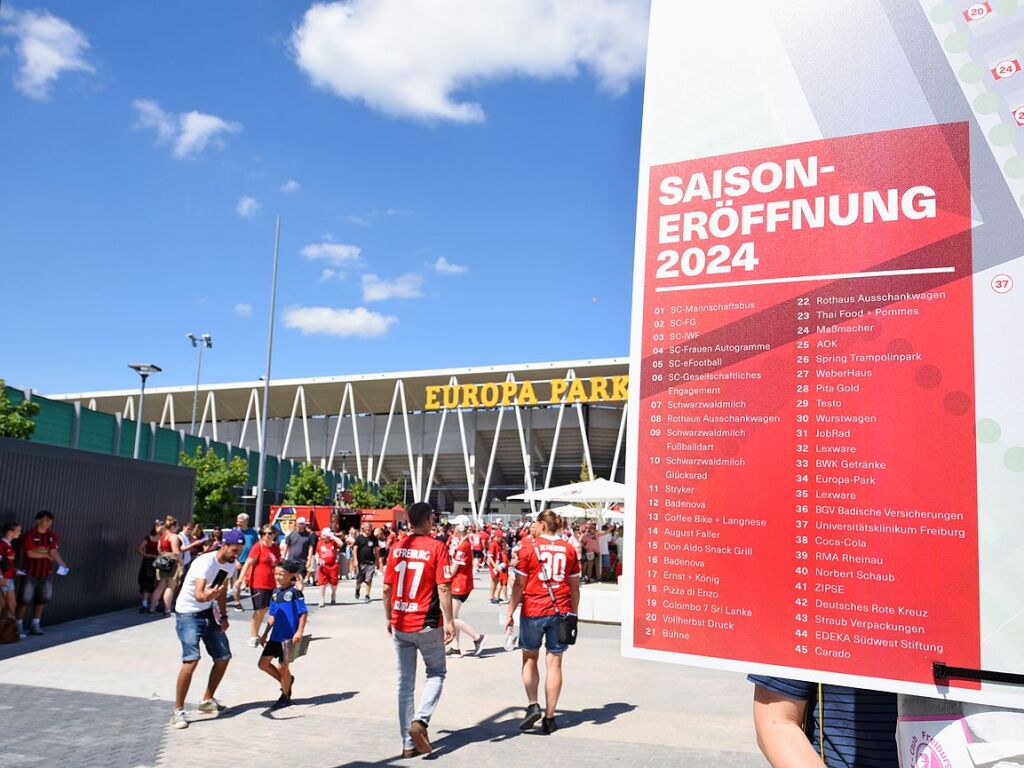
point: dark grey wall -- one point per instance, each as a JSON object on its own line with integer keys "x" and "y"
{"x": 103, "y": 506}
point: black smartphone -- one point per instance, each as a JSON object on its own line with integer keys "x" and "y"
{"x": 220, "y": 578}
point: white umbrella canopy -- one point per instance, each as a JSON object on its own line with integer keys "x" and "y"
{"x": 460, "y": 520}
{"x": 599, "y": 491}
{"x": 569, "y": 512}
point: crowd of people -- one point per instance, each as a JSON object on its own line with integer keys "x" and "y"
{"x": 534, "y": 567}
{"x": 428, "y": 571}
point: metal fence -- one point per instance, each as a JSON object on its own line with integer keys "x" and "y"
{"x": 102, "y": 505}
{"x": 68, "y": 425}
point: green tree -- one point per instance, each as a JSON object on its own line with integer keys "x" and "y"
{"x": 16, "y": 420}
{"x": 307, "y": 486}
{"x": 392, "y": 493}
{"x": 363, "y": 497}
{"x": 214, "y": 481}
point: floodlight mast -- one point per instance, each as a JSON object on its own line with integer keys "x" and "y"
{"x": 204, "y": 341}
{"x": 145, "y": 370}
{"x": 261, "y": 474}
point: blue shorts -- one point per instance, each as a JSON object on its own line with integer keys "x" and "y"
{"x": 193, "y": 626}
{"x": 534, "y": 629}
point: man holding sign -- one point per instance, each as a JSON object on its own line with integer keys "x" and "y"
{"x": 201, "y": 611}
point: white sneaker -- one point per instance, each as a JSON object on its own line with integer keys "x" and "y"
{"x": 178, "y": 719}
{"x": 320, "y": 604}
{"x": 211, "y": 705}
{"x": 253, "y": 642}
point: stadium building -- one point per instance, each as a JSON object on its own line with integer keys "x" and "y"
{"x": 463, "y": 438}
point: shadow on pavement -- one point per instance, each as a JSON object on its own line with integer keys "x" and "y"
{"x": 314, "y": 701}
{"x": 502, "y": 726}
{"x": 79, "y": 629}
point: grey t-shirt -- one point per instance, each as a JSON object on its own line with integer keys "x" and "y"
{"x": 297, "y": 545}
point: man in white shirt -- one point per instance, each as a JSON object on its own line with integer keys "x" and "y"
{"x": 201, "y": 610}
{"x": 605, "y": 565}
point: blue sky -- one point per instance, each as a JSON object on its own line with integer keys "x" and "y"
{"x": 463, "y": 190}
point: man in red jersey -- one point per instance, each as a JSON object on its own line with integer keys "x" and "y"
{"x": 548, "y": 584}
{"x": 462, "y": 585}
{"x": 39, "y": 548}
{"x": 417, "y": 594}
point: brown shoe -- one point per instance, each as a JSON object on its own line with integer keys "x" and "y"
{"x": 410, "y": 753}
{"x": 418, "y": 734}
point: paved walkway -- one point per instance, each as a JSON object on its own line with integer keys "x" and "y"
{"x": 97, "y": 693}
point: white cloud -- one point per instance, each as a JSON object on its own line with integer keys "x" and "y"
{"x": 188, "y": 133}
{"x": 331, "y": 274}
{"x": 333, "y": 253}
{"x": 404, "y": 287}
{"x": 243, "y": 310}
{"x": 368, "y": 218}
{"x": 338, "y": 322}
{"x": 290, "y": 187}
{"x": 445, "y": 267}
{"x": 247, "y": 207}
{"x": 412, "y": 58}
{"x": 47, "y": 46}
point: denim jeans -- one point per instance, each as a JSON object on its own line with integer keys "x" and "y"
{"x": 430, "y": 644}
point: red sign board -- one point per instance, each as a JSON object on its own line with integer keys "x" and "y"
{"x": 806, "y": 482}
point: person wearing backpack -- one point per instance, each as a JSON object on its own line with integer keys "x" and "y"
{"x": 548, "y": 586}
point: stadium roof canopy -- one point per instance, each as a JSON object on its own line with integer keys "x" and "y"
{"x": 373, "y": 392}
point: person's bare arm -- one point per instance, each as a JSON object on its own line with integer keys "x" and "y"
{"x": 574, "y": 594}
{"x": 444, "y": 592}
{"x": 243, "y": 574}
{"x": 55, "y": 556}
{"x": 778, "y": 723}
{"x": 301, "y": 629}
{"x": 141, "y": 549}
{"x": 513, "y": 601}
{"x": 386, "y": 590}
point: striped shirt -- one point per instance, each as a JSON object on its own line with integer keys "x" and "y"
{"x": 40, "y": 567}
{"x": 860, "y": 725}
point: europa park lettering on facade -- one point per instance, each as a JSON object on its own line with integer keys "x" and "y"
{"x": 598, "y": 389}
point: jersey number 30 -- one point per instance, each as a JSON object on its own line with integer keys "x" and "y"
{"x": 554, "y": 565}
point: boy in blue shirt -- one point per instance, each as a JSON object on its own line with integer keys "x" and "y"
{"x": 286, "y": 622}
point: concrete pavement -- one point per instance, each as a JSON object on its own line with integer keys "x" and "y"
{"x": 98, "y": 693}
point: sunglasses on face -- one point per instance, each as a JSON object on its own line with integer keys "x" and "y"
{"x": 266, "y": 533}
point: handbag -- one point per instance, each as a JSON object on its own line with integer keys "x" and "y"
{"x": 164, "y": 564}
{"x": 566, "y": 624}
{"x": 8, "y": 630}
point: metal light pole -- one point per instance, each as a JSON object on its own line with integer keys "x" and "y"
{"x": 204, "y": 341}
{"x": 266, "y": 380}
{"x": 144, "y": 370}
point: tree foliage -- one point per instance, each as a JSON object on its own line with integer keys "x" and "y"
{"x": 363, "y": 496}
{"x": 214, "y": 480}
{"x": 392, "y": 493}
{"x": 307, "y": 486}
{"x": 16, "y": 420}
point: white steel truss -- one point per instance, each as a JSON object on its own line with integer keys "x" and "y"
{"x": 168, "y": 410}
{"x": 300, "y": 398}
{"x": 413, "y": 477}
{"x": 252, "y": 408}
{"x": 347, "y": 396}
{"x": 209, "y": 409}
